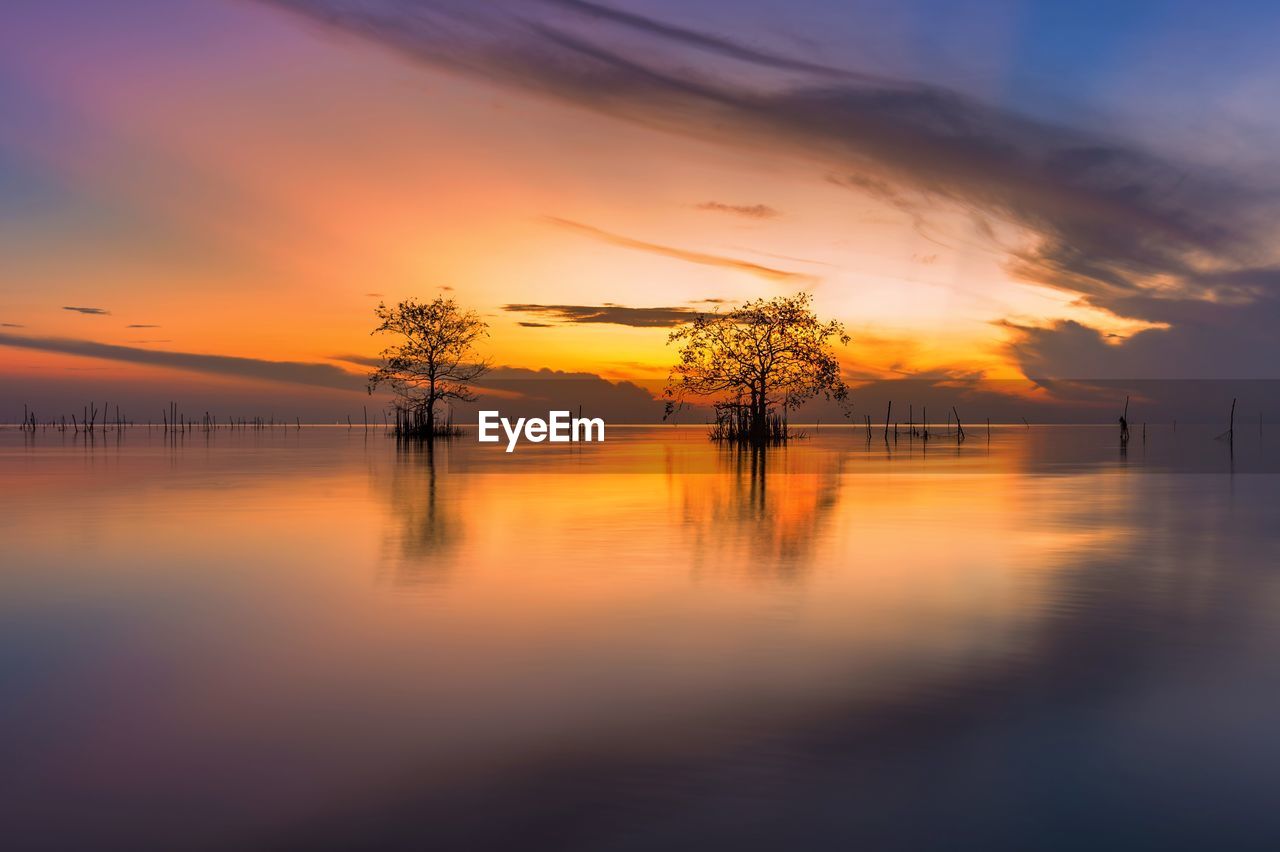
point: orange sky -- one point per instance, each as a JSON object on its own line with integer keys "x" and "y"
{"x": 246, "y": 194}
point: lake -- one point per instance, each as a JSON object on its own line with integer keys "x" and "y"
{"x": 313, "y": 638}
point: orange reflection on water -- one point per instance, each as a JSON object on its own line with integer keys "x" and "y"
{"x": 307, "y": 615}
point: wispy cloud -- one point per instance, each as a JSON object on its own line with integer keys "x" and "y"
{"x": 702, "y": 40}
{"x": 608, "y": 313}
{"x": 536, "y": 324}
{"x": 293, "y": 372}
{"x": 141, "y": 325}
{"x": 751, "y": 211}
{"x": 11, "y": 325}
{"x": 766, "y": 272}
{"x": 362, "y": 360}
{"x": 97, "y": 312}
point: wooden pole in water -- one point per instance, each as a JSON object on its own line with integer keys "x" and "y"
{"x": 887, "y": 413}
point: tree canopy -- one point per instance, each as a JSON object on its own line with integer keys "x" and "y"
{"x": 767, "y": 355}
{"x": 434, "y": 356}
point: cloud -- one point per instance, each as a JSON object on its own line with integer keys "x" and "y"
{"x": 11, "y": 325}
{"x": 1120, "y": 226}
{"x": 374, "y": 295}
{"x": 693, "y": 38}
{"x": 1200, "y": 340}
{"x": 607, "y": 313}
{"x": 536, "y": 324}
{"x": 293, "y": 372}
{"x": 751, "y": 211}
{"x": 528, "y": 392}
{"x": 362, "y": 360}
{"x": 141, "y": 325}
{"x": 766, "y": 272}
{"x": 97, "y": 312}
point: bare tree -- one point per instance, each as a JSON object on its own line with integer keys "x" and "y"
{"x": 762, "y": 358}
{"x": 433, "y": 360}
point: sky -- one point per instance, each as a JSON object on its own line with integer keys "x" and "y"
{"x": 205, "y": 199}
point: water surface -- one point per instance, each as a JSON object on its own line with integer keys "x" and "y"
{"x": 314, "y": 639}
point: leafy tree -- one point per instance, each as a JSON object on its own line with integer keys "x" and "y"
{"x": 763, "y": 358}
{"x": 434, "y": 358}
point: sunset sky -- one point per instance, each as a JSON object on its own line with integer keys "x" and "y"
{"x": 193, "y": 192}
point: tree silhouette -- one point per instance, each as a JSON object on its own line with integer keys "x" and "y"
{"x": 760, "y": 360}
{"x": 434, "y": 359}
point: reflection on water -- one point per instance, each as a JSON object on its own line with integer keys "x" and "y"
{"x": 424, "y": 527}
{"x": 741, "y": 520}
{"x": 310, "y": 638}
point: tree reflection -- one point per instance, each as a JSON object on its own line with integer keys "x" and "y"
{"x": 425, "y": 528}
{"x": 756, "y": 517}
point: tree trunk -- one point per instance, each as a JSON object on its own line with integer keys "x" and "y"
{"x": 759, "y": 422}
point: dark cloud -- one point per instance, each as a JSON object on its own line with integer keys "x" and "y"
{"x": 1202, "y": 340}
{"x": 374, "y": 295}
{"x": 607, "y": 313}
{"x": 11, "y": 325}
{"x": 747, "y": 266}
{"x": 141, "y": 325}
{"x": 536, "y": 324}
{"x": 294, "y": 372}
{"x": 704, "y": 41}
{"x": 97, "y": 312}
{"x": 1121, "y": 227}
{"x": 751, "y": 211}
{"x": 527, "y": 392}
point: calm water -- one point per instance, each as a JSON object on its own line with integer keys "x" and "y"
{"x": 306, "y": 639}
